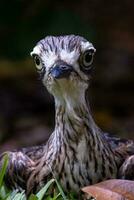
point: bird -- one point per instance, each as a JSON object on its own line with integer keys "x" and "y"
{"x": 78, "y": 153}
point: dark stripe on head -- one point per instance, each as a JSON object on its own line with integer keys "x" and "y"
{"x": 68, "y": 42}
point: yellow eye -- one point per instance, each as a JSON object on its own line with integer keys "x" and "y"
{"x": 37, "y": 61}
{"x": 86, "y": 59}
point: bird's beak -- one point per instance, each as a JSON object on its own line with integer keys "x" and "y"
{"x": 61, "y": 70}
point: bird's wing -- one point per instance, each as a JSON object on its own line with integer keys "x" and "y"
{"x": 34, "y": 152}
{"x": 18, "y": 169}
{"x": 117, "y": 143}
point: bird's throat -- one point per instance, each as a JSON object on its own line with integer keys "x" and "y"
{"x": 74, "y": 121}
{"x": 71, "y": 110}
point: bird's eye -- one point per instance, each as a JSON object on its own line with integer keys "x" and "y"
{"x": 86, "y": 59}
{"x": 37, "y": 61}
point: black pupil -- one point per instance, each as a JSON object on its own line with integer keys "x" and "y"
{"x": 37, "y": 60}
{"x": 88, "y": 57}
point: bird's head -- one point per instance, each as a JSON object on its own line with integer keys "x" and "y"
{"x": 64, "y": 64}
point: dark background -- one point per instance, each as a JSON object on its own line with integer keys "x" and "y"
{"x": 26, "y": 109}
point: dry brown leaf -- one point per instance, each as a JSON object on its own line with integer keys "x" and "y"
{"x": 113, "y": 189}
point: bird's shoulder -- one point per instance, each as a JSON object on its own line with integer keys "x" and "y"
{"x": 120, "y": 143}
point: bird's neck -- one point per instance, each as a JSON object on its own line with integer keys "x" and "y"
{"x": 76, "y": 132}
{"x": 77, "y": 139}
{"x": 73, "y": 121}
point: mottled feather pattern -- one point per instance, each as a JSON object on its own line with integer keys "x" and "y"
{"x": 77, "y": 153}
{"x": 56, "y": 44}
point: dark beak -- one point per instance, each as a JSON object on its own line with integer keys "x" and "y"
{"x": 61, "y": 70}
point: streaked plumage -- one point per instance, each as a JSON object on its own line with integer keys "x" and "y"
{"x": 77, "y": 152}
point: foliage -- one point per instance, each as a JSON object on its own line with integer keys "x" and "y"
{"x": 6, "y": 194}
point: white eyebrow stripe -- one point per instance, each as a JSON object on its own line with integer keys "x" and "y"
{"x": 36, "y": 50}
{"x": 87, "y": 45}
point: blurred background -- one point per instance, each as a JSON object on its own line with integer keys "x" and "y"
{"x": 26, "y": 109}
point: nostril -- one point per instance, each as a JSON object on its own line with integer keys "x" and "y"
{"x": 64, "y": 67}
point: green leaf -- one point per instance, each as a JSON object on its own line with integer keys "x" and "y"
{"x": 56, "y": 197}
{"x": 3, "y": 169}
{"x": 60, "y": 190}
{"x": 42, "y": 192}
{"x": 19, "y": 196}
{"x": 33, "y": 197}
